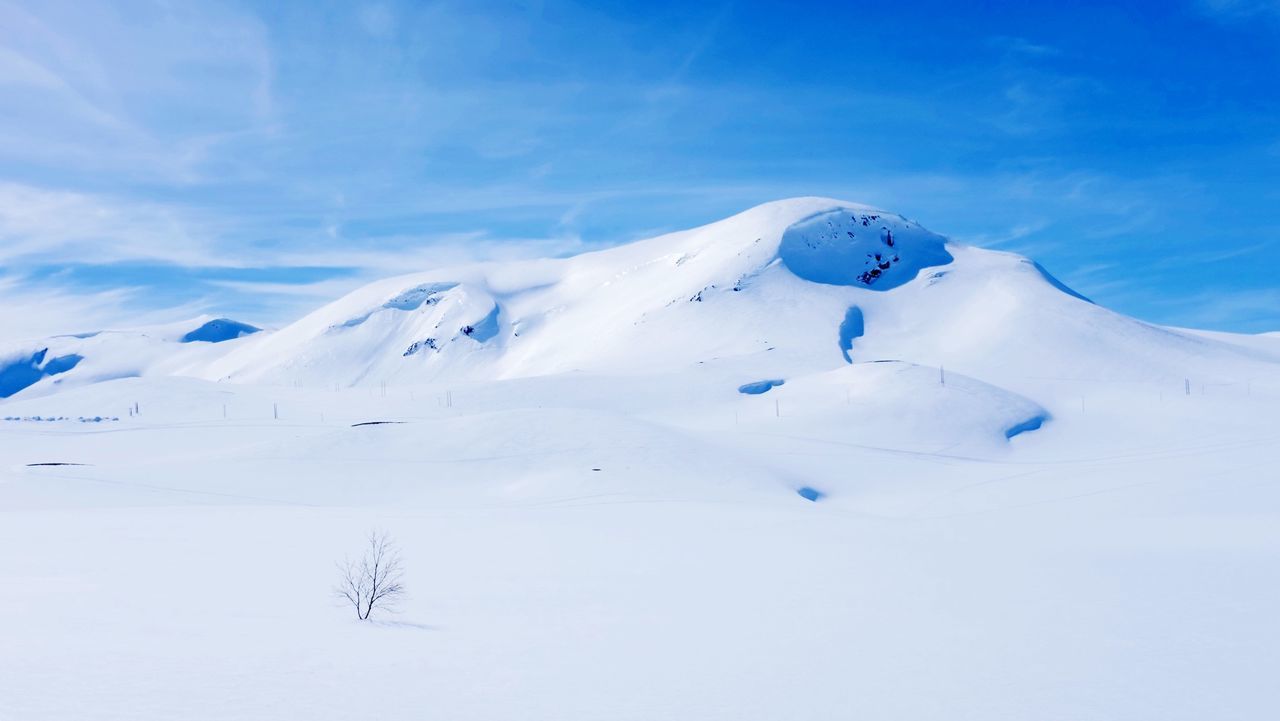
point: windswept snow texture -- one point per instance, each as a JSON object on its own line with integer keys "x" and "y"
{"x": 219, "y": 330}
{"x": 409, "y": 300}
{"x": 851, "y": 328}
{"x": 872, "y": 250}
{"x": 758, "y": 387}
{"x": 414, "y": 298}
{"x": 23, "y": 372}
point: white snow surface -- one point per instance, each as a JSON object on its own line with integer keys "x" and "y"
{"x": 111, "y": 354}
{"x": 1028, "y": 506}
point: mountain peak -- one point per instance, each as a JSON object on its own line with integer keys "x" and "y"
{"x": 782, "y": 290}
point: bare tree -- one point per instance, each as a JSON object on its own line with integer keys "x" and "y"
{"x": 374, "y": 581}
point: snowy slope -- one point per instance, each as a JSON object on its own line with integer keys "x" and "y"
{"x": 728, "y": 473}
{"x": 46, "y": 365}
{"x": 585, "y": 546}
{"x": 733, "y": 289}
{"x": 789, "y": 291}
{"x": 782, "y": 290}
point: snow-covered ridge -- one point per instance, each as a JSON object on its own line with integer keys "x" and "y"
{"x": 780, "y": 291}
{"x": 728, "y": 289}
{"x": 45, "y": 365}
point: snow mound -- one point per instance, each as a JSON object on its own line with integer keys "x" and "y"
{"x": 872, "y": 250}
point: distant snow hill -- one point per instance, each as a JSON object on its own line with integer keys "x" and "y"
{"x": 790, "y": 289}
{"x": 70, "y": 360}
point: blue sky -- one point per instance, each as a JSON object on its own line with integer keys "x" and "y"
{"x": 159, "y": 160}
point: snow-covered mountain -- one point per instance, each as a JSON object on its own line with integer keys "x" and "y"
{"x": 923, "y": 480}
{"x": 62, "y": 361}
{"x": 782, "y": 290}
{"x": 779, "y": 292}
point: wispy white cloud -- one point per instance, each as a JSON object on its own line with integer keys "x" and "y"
{"x": 141, "y": 92}
{"x": 43, "y": 225}
{"x": 1214, "y": 309}
{"x": 1023, "y": 46}
{"x": 1238, "y": 9}
{"x": 32, "y": 312}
